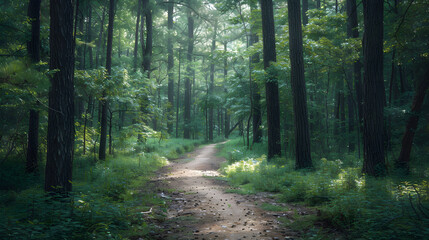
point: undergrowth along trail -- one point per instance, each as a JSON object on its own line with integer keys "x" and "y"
{"x": 201, "y": 205}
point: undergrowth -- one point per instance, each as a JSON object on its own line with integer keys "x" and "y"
{"x": 110, "y": 199}
{"x": 358, "y": 206}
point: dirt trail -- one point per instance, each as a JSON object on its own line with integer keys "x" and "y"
{"x": 201, "y": 209}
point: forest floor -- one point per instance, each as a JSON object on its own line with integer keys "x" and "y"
{"x": 200, "y": 206}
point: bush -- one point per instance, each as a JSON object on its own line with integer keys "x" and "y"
{"x": 102, "y": 205}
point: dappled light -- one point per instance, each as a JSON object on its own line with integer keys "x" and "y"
{"x": 214, "y": 119}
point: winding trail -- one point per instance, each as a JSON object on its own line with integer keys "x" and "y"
{"x": 200, "y": 208}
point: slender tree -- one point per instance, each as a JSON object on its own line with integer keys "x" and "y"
{"x": 187, "y": 103}
{"x": 352, "y": 32}
{"x": 299, "y": 92}
{"x": 100, "y": 39}
{"x": 104, "y": 103}
{"x": 211, "y": 85}
{"x": 58, "y": 174}
{"x": 271, "y": 85}
{"x": 147, "y": 54}
{"x": 373, "y": 94}
{"x": 225, "y": 77}
{"x": 256, "y": 95}
{"x": 33, "y": 47}
{"x": 170, "y": 66}
{"x": 304, "y": 12}
{"x": 136, "y": 40}
{"x": 89, "y": 36}
{"x": 407, "y": 140}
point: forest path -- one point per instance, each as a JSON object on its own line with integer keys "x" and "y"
{"x": 200, "y": 208}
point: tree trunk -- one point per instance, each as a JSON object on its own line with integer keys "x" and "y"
{"x": 85, "y": 123}
{"x": 256, "y": 95}
{"x": 81, "y": 48}
{"x": 89, "y": 36}
{"x": 147, "y": 56}
{"x": 304, "y": 12}
{"x": 104, "y": 103}
{"x": 58, "y": 171}
{"x": 100, "y": 39}
{"x": 211, "y": 85}
{"x": 136, "y": 40}
{"x": 187, "y": 127}
{"x": 407, "y": 140}
{"x": 110, "y": 132}
{"x": 33, "y": 48}
{"x": 225, "y": 77}
{"x": 373, "y": 95}
{"x": 352, "y": 32}
{"x": 170, "y": 66}
{"x": 33, "y": 142}
{"x": 271, "y": 85}
{"x": 178, "y": 96}
{"x": 302, "y": 135}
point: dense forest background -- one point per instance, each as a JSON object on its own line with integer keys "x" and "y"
{"x": 325, "y": 103}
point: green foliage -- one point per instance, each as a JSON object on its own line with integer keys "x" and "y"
{"x": 359, "y": 206}
{"x": 105, "y": 203}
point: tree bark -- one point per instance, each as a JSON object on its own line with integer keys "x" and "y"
{"x": 147, "y": 56}
{"x": 104, "y": 103}
{"x": 178, "y": 95}
{"x": 89, "y": 36}
{"x": 58, "y": 171}
{"x": 170, "y": 66}
{"x": 136, "y": 40}
{"x": 302, "y": 134}
{"x": 373, "y": 95}
{"x": 33, "y": 48}
{"x": 256, "y": 95}
{"x": 100, "y": 39}
{"x": 407, "y": 140}
{"x": 225, "y": 77}
{"x": 304, "y": 12}
{"x": 211, "y": 85}
{"x": 271, "y": 85}
{"x": 187, "y": 113}
{"x": 352, "y": 32}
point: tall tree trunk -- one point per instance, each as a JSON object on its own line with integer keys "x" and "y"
{"x": 85, "y": 123}
{"x": 256, "y": 95}
{"x": 271, "y": 85}
{"x": 81, "y": 48}
{"x": 100, "y": 39}
{"x": 178, "y": 95}
{"x": 351, "y": 123}
{"x": 373, "y": 95}
{"x": 343, "y": 130}
{"x": 33, "y": 48}
{"x": 147, "y": 56}
{"x": 304, "y": 12}
{"x": 58, "y": 171}
{"x": 407, "y": 140}
{"x": 104, "y": 103}
{"x": 170, "y": 66}
{"x": 136, "y": 40}
{"x": 89, "y": 36}
{"x": 352, "y": 32}
{"x": 187, "y": 127}
{"x": 110, "y": 132}
{"x": 211, "y": 85}
{"x": 225, "y": 77}
{"x": 302, "y": 135}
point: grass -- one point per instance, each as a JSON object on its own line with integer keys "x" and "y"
{"x": 107, "y": 201}
{"x": 347, "y": 201}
